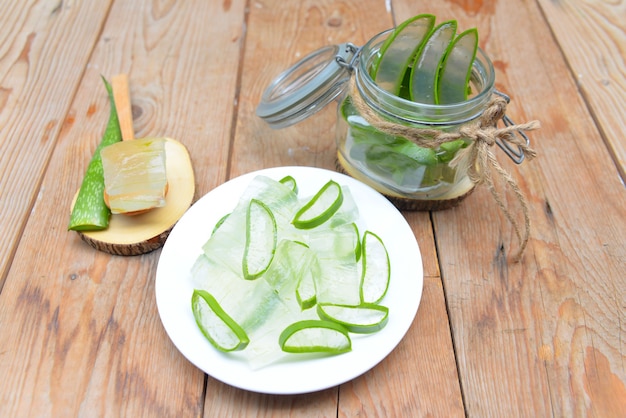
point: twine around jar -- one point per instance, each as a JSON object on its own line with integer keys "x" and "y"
{"x": 482, "y": 134}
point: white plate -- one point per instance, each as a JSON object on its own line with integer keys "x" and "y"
{"x": 174, "y": 289}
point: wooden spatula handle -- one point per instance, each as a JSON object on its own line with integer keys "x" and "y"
{"x": 121, "y": 97}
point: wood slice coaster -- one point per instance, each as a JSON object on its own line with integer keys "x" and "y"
{"x": 146, "y": 232}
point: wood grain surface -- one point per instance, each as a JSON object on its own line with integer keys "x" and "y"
{"x": 80, "y": 333}
{"x": 38, "y": 84}
{"x": 592, "y": 37}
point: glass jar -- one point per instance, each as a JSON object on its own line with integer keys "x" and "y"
{"x": 413, "y": 177}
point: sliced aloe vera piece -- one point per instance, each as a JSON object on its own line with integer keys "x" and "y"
{"x": 320, "y": 207}
{"x": 305, "y": 292}
{"x": 340, "y": 242}
{"x": 338, "y": 281}
{"x": 456, "y": 69}
{"x": 227, "y": 242}
{"x": 222, "y": 331}
{"x": 428, "y": 61}
{"x": 348, "y": 212}
{"x": 260, "y": 240}
{"x": 290, "y": 182}
{"x": 219, "y": 223}
{"x": 363, "y": 319}
{"x": 315, "y": 336}
{"x": 291, "y": 261}
{"x": 398, "y": 50}
{"x": 134, "y": 175}
{"x": 278, "y": 197}
{"x": 358, "y": 248}
{"x": 376, "y": 270}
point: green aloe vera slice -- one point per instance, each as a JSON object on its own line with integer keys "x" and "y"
{"x": 362, "y": 319}
{"x": 260, "y": 239}
{"x": 290, "y": 182}
{"x": 305, "y": 292}
{"x": 315, "y": 336}
{"x": 222, "y": 331}
{"x": 428, "y": 62}
{"x": 320, "y": 208}
{"x": 398, "y": 50}
{"x": 376, "y": 269}
{"x": 357, "y": 249}
{"x": 456, "y": 69}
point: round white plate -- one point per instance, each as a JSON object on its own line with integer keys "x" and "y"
{"x": 300, "y": 375}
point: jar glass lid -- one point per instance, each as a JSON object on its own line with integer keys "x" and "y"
{"x": 307, "y": 86}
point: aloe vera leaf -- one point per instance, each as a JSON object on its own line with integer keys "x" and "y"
{"x": 423, "y": 155}
{"x": 428, "y": 62}
{"x": 398, "y": 51}
{"x": 448, "y": 150}
{"x": 90, "y": 212}
{"x": 456, "y": 69}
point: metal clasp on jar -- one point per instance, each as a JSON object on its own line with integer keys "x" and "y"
{"x": 515, "y": 153}
{"x": 352, "y": 50}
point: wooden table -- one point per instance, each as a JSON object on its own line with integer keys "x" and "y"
{"x": 80, "y": 334}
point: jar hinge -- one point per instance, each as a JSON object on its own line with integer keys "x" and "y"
{"x": 352, "y": 49}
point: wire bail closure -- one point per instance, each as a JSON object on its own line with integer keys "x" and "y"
{"x": 517, "y": 155}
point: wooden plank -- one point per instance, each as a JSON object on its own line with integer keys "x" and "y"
{"x": 81, "y": 332}
{"x": 37, "y": 84}
{"x": 419, "y": 378}
{"x": 526, "y": 335}
{"x": 286, "y": 32}
{"x": 226, "y": 401}
{"x": 592, "y": 35}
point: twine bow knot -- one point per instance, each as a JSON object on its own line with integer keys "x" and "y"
{"x": 486, "y": 134}
{"x": 482, "y": 136}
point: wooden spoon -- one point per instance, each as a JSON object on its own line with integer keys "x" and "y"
{"x": 140, "y": 234}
